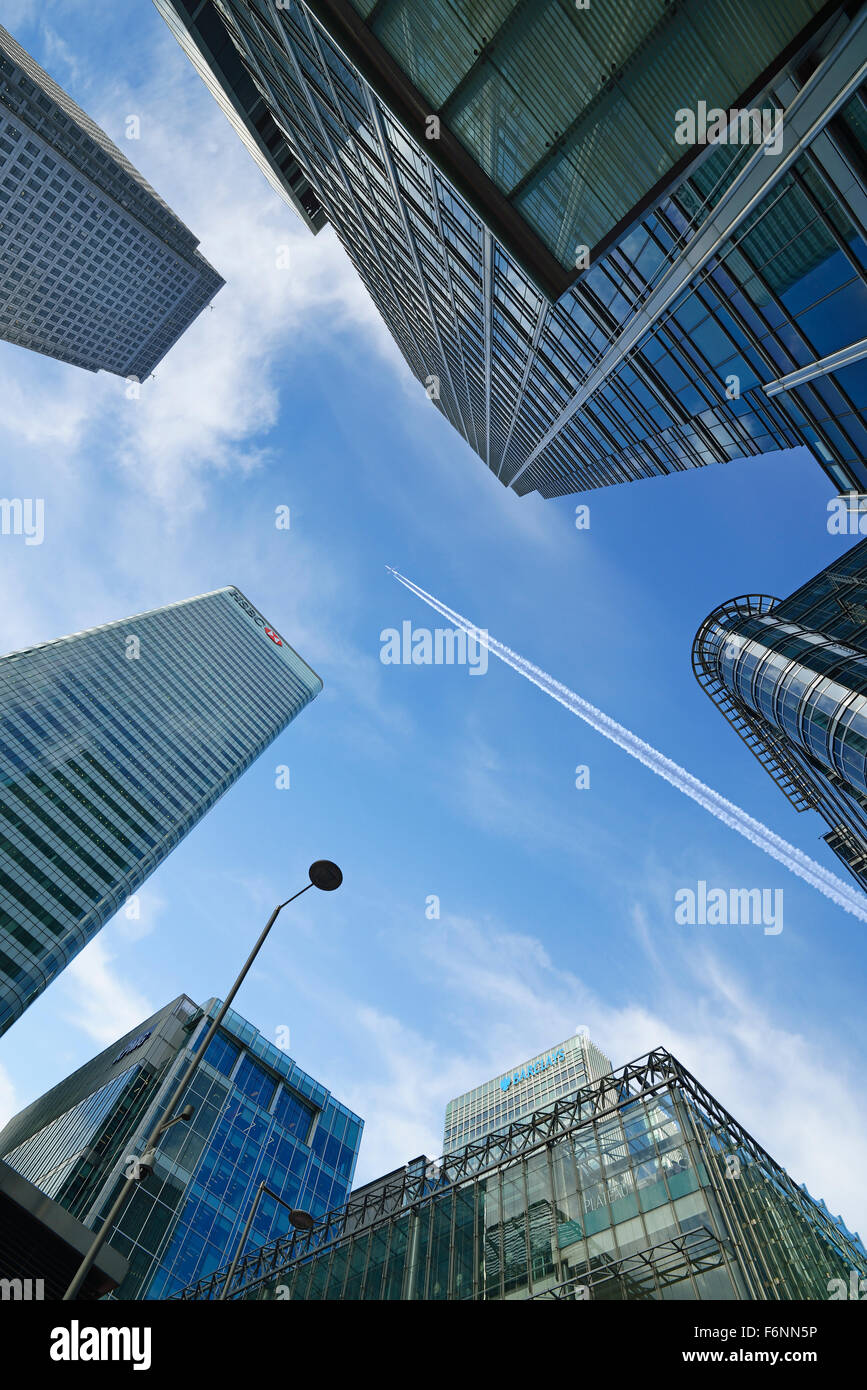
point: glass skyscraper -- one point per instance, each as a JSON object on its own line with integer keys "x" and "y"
{"x": 95, "y": 269}
{"x": 637, "y": 1186}
{"x": 590, "y": 289}
{"x": 527, "y": 1087}
{"x": 113, "y": 744}
{"x": 257, "y": 1118}
{"x": 790, "y": 676}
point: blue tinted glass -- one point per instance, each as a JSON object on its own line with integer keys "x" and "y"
{"x": 255, "y": 1083}
{"x": 343, "y": 1166}
{"x": 293, "y": 1115}
{"x": 352, "y": 1132}
{"x": 298, "y": 1163}
{"x": 222, "y": 1054}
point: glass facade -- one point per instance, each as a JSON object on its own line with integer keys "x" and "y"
{"x": 791, "y": 677}
{"x": 113, "y": 744}
{"x": 720, "y": 313}
{"x": 258, "y": 1117}
{"x": 527, "y": 1087}
{"x": 95, "y": 269}
{"x": 568, "y": 110}
{"x": 638, "y": 1186}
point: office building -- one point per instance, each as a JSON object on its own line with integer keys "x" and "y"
{"x": 95, "y": 269}
{"x": 115, "y": 742}
{"x": 611, "y": 246}
{"x": 257, "y": 1118}
{"x": 527, "y": 1087}
{"x": 41, "y": 1247}
{"x": 637, "y": 1186}
{"x": 790, "y": 676}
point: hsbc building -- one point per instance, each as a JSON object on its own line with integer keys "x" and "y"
{"x": 116, "y": 742}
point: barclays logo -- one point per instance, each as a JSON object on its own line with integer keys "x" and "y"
{"x": 533, "y": 1069}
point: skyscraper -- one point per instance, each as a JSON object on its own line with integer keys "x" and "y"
{"x": 257, "y": 1118}
{"x": 529, "y": 1086}
{"x": 790, "y": 676}
{"x": 95, "y": 269}
{"x": 115, "y": 742}
{"x": 639, "y": 1185}
{"x": 611, "y": 246}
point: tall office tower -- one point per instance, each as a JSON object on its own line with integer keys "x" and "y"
{"x": 514, "y": 1094}
{"x": 115, "y": 742}
{"x": 637, "y": 1186}
{"x": 258, "y": 1118}
{"x": 592, "y": 291}
{"x": 95, "y": 269}
{"x": 790, "y": 677}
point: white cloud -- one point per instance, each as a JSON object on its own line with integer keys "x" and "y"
{"x": 98, "y": 1001}
{"x": 402, "y": 1119}
{"x": 139, "y": 915}
{"x": 218, "y": 387}
{"x": 504, "y": 1000}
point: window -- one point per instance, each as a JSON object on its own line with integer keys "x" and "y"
{"x": 255, "y": 1083}
{"x": 222, "y": 1054}
{"x": 293, "y": 1114}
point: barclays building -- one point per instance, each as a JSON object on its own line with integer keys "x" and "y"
{"x": 638, "y": 1185}
{"x": 527, "y": 1087}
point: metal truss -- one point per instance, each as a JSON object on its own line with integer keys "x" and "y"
{"x": 761, "y": 739}
{"x": 807, "y": 786}
{"x": 834, "y": 80}
{"x": 693, "y": 1252}
{"x": 654, "y": 1074}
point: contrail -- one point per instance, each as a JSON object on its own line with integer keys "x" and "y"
{"x": 794, "y": 859}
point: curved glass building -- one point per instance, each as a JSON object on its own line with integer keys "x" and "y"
{"x": 791, "y": 677}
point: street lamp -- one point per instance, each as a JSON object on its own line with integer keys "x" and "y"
{"x": 323, "y": 875}
{"x": 301, "y": 1220}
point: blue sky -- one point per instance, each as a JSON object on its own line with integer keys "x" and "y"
{"x": 557, "y": 904}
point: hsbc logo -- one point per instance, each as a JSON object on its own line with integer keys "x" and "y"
{"x": 257, "y": 617}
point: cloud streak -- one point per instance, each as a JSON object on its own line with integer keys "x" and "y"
{"x": 726, "y": 811}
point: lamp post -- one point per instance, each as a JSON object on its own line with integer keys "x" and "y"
{"x": 323, "y": 875}
{"x": 301, "y": 1220}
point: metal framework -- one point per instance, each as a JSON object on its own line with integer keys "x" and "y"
{"x": 478, "y": 305}
{"x": 695, "y": 1251}
{"x": 806, "y": 784}
{"x": 827, "y": 89}
{"x": 760, "y": 737}
{"x": 651, "y": 1075}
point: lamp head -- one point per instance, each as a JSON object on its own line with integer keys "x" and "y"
{"x": 301, "y": 1220}
{"x": 325, "y": 875}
